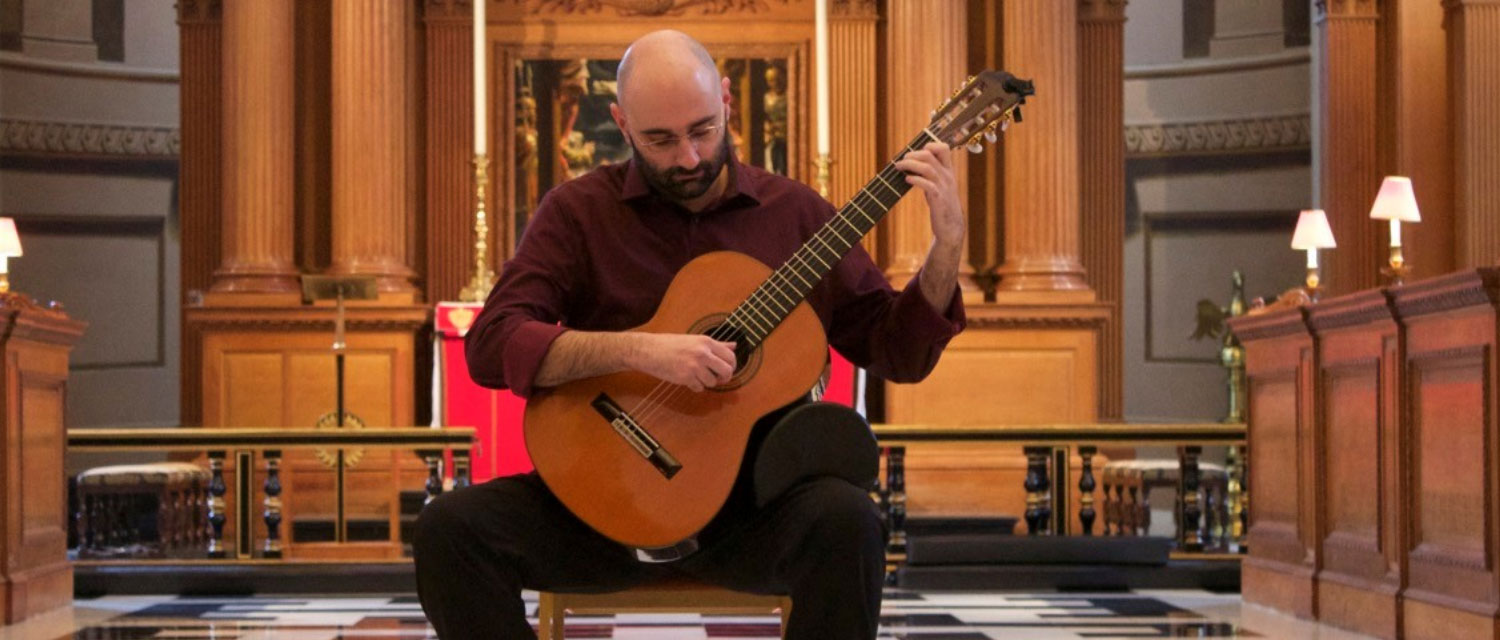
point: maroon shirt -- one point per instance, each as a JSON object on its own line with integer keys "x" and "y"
{"x": 602, "y": 249}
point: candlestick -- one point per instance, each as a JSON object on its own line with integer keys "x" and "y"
{"x": 1396, "y": 202}
{"x": 483, "y": 277}
{"x": 1312, "y": 258}
{"x": 1395, "y": 232}
{"x": 480, "y": 86}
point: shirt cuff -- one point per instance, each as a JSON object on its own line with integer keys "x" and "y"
{"x": 524, "y": 352}
{"x": 919, "y": 320}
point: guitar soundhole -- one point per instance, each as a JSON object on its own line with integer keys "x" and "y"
{"x": 746, "y": 358}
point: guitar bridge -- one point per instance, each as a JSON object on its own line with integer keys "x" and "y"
{"x": 636, "y": 436}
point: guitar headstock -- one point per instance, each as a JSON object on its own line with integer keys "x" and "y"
{"x": 987, "y": 102}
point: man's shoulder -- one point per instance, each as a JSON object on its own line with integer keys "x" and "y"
{"x": 604, "y": 181}
{"x": 774, "y": 186}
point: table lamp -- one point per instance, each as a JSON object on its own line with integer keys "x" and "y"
{"x": 10, "y": 247}
{"x": 1313, "y": 233}
{"x": 1396, "y": 202}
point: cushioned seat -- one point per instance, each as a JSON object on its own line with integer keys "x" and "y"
{"x": 141, "y": 509}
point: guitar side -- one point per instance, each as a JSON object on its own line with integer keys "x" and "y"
{"x": 611, "y": 486}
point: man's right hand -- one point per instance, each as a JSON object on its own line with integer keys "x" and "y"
{"x": 697, "y": 362}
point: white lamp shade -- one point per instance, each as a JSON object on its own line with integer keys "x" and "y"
{"x": 1396, "y": 201}
{"x": 10, "y": 242}
{"x": 1313, "y": 231}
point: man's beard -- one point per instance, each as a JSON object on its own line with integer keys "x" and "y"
{"x": 667, "y": 181}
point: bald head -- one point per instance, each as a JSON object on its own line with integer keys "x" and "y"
{"x": 665, "y": 63}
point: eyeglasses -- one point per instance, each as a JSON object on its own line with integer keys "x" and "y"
{"x": 698, "y": 137}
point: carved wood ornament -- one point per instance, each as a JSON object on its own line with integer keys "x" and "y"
{"x": 649, "y": 8}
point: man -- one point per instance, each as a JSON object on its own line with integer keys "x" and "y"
{"x": 595, "y": 261}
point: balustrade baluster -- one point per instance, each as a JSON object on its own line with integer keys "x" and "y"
{"x": 1086, "y": 489}
{"x": 434, "y": 460}
{"x": 273, "y": 504}
{"x": 895, "y": 477}
{"x": 1187, "y": 496}
{"x": 216, "y": 513}
{"x": 1038, "y": 507}
{"x": 461, "y": 468}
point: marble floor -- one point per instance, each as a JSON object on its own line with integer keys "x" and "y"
{"x": 905, "y": 615}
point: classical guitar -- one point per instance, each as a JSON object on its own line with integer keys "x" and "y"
{"x": 647, "y": 463}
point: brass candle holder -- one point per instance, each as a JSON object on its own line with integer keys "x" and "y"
{"x": 483, "y": 277}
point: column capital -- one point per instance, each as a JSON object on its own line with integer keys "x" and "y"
{"x": 447, "y": 10}
{"x": 1363, "y": 9}
{"x": 1101, "y": 10}
{"x": 854, "y": 9}
{"x": 199, "y": 11}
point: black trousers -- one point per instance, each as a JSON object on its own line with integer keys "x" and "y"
{"x": 822, "y": 542}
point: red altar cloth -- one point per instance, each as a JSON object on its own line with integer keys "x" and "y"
{"x": 496, "y": 415}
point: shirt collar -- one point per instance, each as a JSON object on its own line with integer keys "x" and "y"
{"x": 741, "y": 183}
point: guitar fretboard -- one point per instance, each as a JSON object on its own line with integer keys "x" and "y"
{"x": 774, "y": 299}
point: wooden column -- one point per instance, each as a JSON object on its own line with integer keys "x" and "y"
{"x": 199, "y": 173}
{"x": 450, "y": 146}
{"x": 928, "y": 62}
{"x": 1349, "y": 171}
{"x": 1041, "y": 154}
{"x": 370, "y": 213}
{"x": 259, "y": 146}
{"x": 1416, "y": 137}
{"x": 1101, "y": 140}
{"x": 1474, "y": 69}
{"x": 852, "y": 95}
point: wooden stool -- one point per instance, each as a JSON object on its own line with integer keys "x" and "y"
{"x": 141, "y": 509}
{"x": 674, "y": 596}
{"x": 1128, "y": 485}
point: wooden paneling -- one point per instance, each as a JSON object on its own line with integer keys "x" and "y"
{"x": 1453, "y": 585}
{"x": 1374, "y": 484}
{"x": 1283, "y": 483}
{"x": 1359, "y": 367}
{"x": 35, "y": 575}
{"x": 1012, "y": 365}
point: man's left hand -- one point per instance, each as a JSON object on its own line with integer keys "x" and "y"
{"x": 931, "y": 170}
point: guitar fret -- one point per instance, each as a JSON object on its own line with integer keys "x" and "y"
{"x": 814, "y": 254}
{"x": 831, "y": 250}
{"x": 758, "y": 326}
{"x": 861, "y": 210}
{"x": 887, "y": 185}
{"x": 799, "y": 277}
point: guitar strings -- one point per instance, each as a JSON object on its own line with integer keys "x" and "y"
{"x": 662, "y": 394}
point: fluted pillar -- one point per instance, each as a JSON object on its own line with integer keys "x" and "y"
{"x": 1101, "y": 59}
{"x": 1041, "y": 154}
{"x": 370, "y": 212}
{"x": 1349, "y": 169}
{"x": 1416, "y": 137}
{"x": 199, "y": 192}
{"x": 852, "y": 79}
{"x": 928, "y": 50}
{"x": 1474, "y": 67}
{"x": 259, "y": 143}
{"x": 450, "y": 150}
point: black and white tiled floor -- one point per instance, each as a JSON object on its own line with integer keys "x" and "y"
{"x": 905, "y": 615}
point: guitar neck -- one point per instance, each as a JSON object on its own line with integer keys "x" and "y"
{"x": 788, "y": 286}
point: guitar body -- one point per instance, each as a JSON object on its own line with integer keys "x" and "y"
{"x": 611, "y": 486}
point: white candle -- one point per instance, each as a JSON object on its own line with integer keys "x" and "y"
{"x": 1395, "y": 232}
{"x": 821, "y": 46}
{"x": 1312, "y": 258}
{"x": 481, "y": 136}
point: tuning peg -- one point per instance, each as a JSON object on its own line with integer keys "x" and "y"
{"x": 1004, "y": 124}
{"x": 975, "y": 147}
{"x": 989, "y": 135}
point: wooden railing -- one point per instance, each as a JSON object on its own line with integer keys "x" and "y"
{"x": 431, "y": 445}
{"x": 1048, "y": 449}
